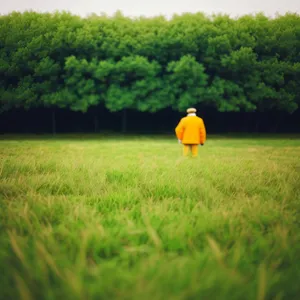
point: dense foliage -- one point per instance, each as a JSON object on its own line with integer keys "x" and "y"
{"x": 147, "y": 64}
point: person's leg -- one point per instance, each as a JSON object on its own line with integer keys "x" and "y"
{"x": 186, "y": 149}
{"x": 195, "y": 150}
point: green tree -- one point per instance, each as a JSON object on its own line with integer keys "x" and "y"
{"x": 63, "y": 61}
{"x": 187, "y": 80}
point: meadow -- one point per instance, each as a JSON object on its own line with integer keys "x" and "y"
{"x": 110, "y": 217}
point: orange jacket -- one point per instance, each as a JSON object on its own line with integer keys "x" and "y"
{"x": 191, "y": 130}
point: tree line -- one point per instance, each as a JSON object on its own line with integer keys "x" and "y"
{"x": 60, "y": 60}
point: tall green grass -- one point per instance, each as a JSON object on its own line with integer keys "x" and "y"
{"x": 112, "y": 218}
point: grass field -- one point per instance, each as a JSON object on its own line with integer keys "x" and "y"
{"x": 95, "y": 217}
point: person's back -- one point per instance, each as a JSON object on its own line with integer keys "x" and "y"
{"x": 191, "y": 132}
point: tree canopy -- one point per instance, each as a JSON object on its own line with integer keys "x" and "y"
{"x": 147, "y": 64}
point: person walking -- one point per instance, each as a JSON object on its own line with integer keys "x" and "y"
{"x": 191, "y": 132}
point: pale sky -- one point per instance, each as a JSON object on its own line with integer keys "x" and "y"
{"x": 154, "y": 7}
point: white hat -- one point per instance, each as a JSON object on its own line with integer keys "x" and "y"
{"x": 191, "y": 110}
